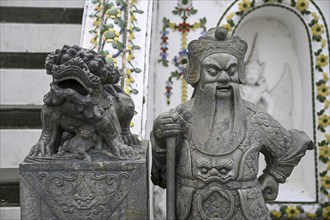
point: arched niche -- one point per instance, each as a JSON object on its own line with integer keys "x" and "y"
{"x": 283, "y": 47}
{"x": 291, "y": 50}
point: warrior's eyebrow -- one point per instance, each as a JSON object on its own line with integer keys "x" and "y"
{"x": 230, "y": 62}
{"x": 212, "y": 63}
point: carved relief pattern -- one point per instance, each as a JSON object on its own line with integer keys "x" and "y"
{"x": 251, "y": 166}
{"x": 253, "y": 203}
{"x": 85, "y": 194}
{"x": 311, "y": 15}
{"x": 214, "y": 199}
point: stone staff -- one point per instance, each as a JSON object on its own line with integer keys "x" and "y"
{"x": 170, "y": 178}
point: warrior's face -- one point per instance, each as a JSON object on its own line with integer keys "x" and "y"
{"x": 219, "y": 72}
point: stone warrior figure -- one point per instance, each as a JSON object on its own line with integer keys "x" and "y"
{"x": 218, "y": 138}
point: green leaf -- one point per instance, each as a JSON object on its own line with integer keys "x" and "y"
{"x": 321, "y": 98}
{"x": 110, "y": 35}
{"x": 138, "y": 11}
{"x": 319, "y": 68}
{"x": 239, "y": 13}
{"x": 164, "y": 62}
{"x": 109, "y": 60}
{"x": 137, "y": 70}
{"x": 231, "y": 22}
{"x": 320, "y": 112}
{"x": 137, "y": 29}
{"x": 184, "y": 61}
{"x": 322, "y": 81}
{"x": 115, "y": 44}
{"x": 319, "y": 212}
{"x": 202, "y": 21}
{"x": 193, "y": 11}
{"x": 134, "y": 91}
{"x": 307, "y": 12}
{"x": 324, "y": 191}
{"x": 323, "y": 143}
{"x": 175, "y": 74}
{"x": 300, "y": 209}
{"x": 318, "y": 38}
{"x": 253, "y": 3}
{"x": 283, "y": 208}
{"x": 324, "y": 173}
{"x": 318, "y": 52}
{"x": 314, "y": 21}
{"x": 166, "y": 20}
{"x": 104, "y": 53}
{"x": 293, "y": 3}
{"x": 136, "y": 47}
{"x": 176, "y": 12}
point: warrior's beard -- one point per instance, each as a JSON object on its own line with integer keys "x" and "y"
{"x": 219, "y": 124}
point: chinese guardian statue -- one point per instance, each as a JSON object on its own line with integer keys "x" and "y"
{"x": 219, "y": 137}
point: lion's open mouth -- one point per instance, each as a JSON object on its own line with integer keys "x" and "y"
{"x": 75, "y": 79}
{"x": 72, "y": 83}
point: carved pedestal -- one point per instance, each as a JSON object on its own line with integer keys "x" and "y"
{"x": 95, "y": 190}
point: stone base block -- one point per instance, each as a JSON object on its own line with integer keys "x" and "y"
{"x": 96, "y": 190}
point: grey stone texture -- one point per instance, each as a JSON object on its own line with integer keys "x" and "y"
{"x": 206, "y": 151}
{"x": 85, "y": 109}
{"x": 87, "y": 164}
{"x": 85, "y": 190}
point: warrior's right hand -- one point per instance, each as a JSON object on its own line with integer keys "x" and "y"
{"x": 166, "y": 125}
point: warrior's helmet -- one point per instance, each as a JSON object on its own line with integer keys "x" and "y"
{"x": 215, "y": 41}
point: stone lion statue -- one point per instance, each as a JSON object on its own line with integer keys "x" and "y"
{"x": 84, "y": 111}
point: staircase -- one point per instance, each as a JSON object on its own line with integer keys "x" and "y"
{"x": 30, "y": 30}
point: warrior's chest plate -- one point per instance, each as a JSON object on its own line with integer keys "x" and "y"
{"x": 220, "y": 168}
{"x": 240, "y": 164}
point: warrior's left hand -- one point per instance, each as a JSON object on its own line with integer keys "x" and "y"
{"x": 269, "y": 186}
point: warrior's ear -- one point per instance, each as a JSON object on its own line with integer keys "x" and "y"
{"x": 192, "y": 71}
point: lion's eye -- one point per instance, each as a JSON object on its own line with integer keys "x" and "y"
{"x": 66, "y": 57}
{"x": 93, "y": 65}
{"x": 212, "y": 71}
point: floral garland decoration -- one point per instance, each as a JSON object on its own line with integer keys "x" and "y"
{"x": 320, "y": 38}
{"x": 114, "y": 33}
{"x": 184, "y": 10}
{"x": 115, "y": 26}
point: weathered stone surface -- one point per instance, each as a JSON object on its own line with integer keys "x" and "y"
{"x": 95, "y": 190}
{"x": 85, "y": 109}
{"x": 86, "y": 164}
{"x": 206, "y": 151}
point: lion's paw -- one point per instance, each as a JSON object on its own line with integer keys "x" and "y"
{"x": 42, "y": 148}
